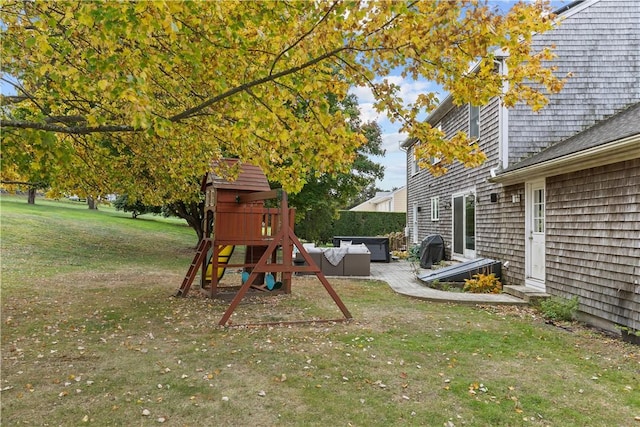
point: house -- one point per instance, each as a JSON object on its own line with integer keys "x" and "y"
{"x": 385, "y": 201}
{"x": 558, "y": 199}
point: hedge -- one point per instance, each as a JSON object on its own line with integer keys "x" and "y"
{"x": 357, "y": 223}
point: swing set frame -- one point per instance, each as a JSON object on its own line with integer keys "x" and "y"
{"x": 235, "y": 215}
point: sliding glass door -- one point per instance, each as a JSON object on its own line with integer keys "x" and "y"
{"x": 464, "y": 224}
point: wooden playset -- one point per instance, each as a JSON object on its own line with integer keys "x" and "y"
{"x": 235, "y": 215}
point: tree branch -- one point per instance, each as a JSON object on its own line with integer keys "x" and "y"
{"x": 24, "y": 91}
{"x": 78, "y": 130}
{"x": 30, "y": 184}
{"x": 65, "y": 119}
{"x": 316, "y": 25}
{"x": 12, "y": 99}
{"x": 81, "y": 130}
{"x": 188, "y": 113}
{"x": 264, "y": 104}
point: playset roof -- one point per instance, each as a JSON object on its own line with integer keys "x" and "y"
{"x": 250, "y": 178}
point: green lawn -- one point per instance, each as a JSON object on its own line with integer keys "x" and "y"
{"x": 92, "y": 336}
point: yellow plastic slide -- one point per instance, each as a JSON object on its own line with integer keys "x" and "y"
{"x": 223, "y": 260}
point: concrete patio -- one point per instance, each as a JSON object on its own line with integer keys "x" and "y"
{"x": 402, "y": 279}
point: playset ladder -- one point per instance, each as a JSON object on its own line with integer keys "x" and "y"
{"x": 198, "y": 259}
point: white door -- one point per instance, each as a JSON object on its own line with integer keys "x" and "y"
{"x": 535, "y": 235}
{"x": 464, "y": 224}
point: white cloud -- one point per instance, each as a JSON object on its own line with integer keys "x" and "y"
{"x": 391, "y": 141}
{"x": 363, "y": 93}
{"x": 395, "y": 171}
{"x": 409, "y": 91}
{"x": 368, "y": 114}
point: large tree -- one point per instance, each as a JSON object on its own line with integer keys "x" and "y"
{"x": 323, "y": 194}
{"x": 25, "y": 164}
{"x": 146, "y": 94}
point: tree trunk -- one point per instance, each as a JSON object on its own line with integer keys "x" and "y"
{"x": 91, "y": 202}
{"x": 31, "y": 196}
{"x": 193, "y": 213}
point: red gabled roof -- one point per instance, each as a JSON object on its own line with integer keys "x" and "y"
{"x": 250, "y": 178}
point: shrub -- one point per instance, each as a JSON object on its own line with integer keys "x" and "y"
{"x": 414, "y": 253}
{"x": 122, "y": 203}
{"x": 400, "y": 254}
{"x": 558, "y": 308}
{"x": 483, "y": 284}
{"x": 413, "y": 256}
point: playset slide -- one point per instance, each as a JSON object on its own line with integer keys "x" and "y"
{"x": 223, "y": 260}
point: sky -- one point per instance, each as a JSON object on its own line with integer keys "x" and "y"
{"x": 394, "y": 161}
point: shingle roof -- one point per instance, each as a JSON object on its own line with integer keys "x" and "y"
{"x": 250, "y": 178}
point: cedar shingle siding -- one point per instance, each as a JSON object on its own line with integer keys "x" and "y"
{"x": 593, "y": 240}
{"x": 592, "y": 215}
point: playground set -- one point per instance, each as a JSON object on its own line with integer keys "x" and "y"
{"x": 236, "y": 215}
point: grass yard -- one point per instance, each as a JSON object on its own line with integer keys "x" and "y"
{"x": 92, "y": 336}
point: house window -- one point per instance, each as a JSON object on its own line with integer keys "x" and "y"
{"x": 435, "y": 160}
{"x": 474, "y": 122}
{"x": 435, "y": 210}
{"x": 414, "y": 163}
{"x": 538, "y": 210}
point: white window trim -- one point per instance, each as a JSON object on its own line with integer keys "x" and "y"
{"x": 467, "y": 254}
{"x": 414, "y": 162}
{"x": 435, "y": 160}
{"x": 435, "y": 208}
{"x": 477, "y": 137}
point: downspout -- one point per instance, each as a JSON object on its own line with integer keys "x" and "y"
{"x": 503, "y": 117}
{"x": 406, "y": 217}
